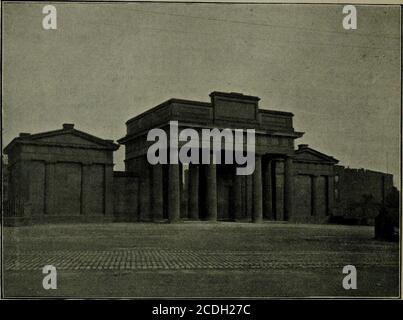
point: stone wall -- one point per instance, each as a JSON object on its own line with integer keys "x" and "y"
{"x": 125, "y": 192}
{"x": 60, "y": 191}
{"x": 359, "y": 193}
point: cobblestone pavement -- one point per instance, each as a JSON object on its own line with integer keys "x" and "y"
{"x": 172, "y": 259}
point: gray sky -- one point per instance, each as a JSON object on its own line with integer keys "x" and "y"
{"x": 109, "y": 62}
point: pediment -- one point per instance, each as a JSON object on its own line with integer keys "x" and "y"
{"x": 67, "y": 138}
{"x": 311, "y": 155}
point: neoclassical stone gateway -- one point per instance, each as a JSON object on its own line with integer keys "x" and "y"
{"x": 67, "y": 175}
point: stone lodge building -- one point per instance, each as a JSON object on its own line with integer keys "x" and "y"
{"x": 67, "y": 175}
{"x": 60, "y": 175}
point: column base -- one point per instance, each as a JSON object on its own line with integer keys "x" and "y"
{"x": 258, "y": 220}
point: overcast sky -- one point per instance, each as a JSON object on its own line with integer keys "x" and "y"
{"x": 106, "y": 63}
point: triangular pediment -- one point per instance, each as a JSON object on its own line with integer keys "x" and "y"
{"x": 310, "y": 155}
{"x": 67, "y": 138}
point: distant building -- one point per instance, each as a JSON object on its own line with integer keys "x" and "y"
{"x": 360, "y": 193}
{"x": 67, "y": 175}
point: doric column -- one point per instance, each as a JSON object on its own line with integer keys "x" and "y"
{"x": 174, "y": 193}
{"x": 268, "y": 195}
{"x": 50, "y": 189}
{"x": 22, "y": 203}
{"x": 144, "y": 213}
{"x": 211, "y": 196}
{"x": 257, "y": 191}
{"x": 85, "y": 189}
{"x": 108, "y": 190}
{"x": 194, "y": 191}
{"x": 288, "y": 188}
{"x": 157, "y": 193}
{"x": 278, "y": 189}
{"x": 314, "y": 195}
{"x": 330, "y": 194}
{"x": 237, "y": 196}
{"x": 249, "y": 196}
{"x": 183, "y": 178}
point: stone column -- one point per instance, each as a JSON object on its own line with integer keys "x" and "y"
{"x": 237, "y": 196}
{"x": 314, "y": 195}
{"x": 173, "y": 193}
{"x": 50, "y": 189}
{"x": 85, "y": 188}
{"x": 330, "y": 194}
{"x": 144, "y": 213}
{"x": 278, "y": 191}
{"x": 194, "y": 191}
{"x": 249, "y": 196}
{"x": 288, "y": 188}
{"x": 22, "y": 206}
{"x": 211, "y": 191}
{"x": 268, "y": 196}
{"x": 108, "y": 190}
{"x": 183, "y": 192}
{"x": 157, "y": 193}
{"x": 257, "y": 191}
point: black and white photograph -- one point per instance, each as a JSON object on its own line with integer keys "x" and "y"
{"x": 200, "y": 150}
